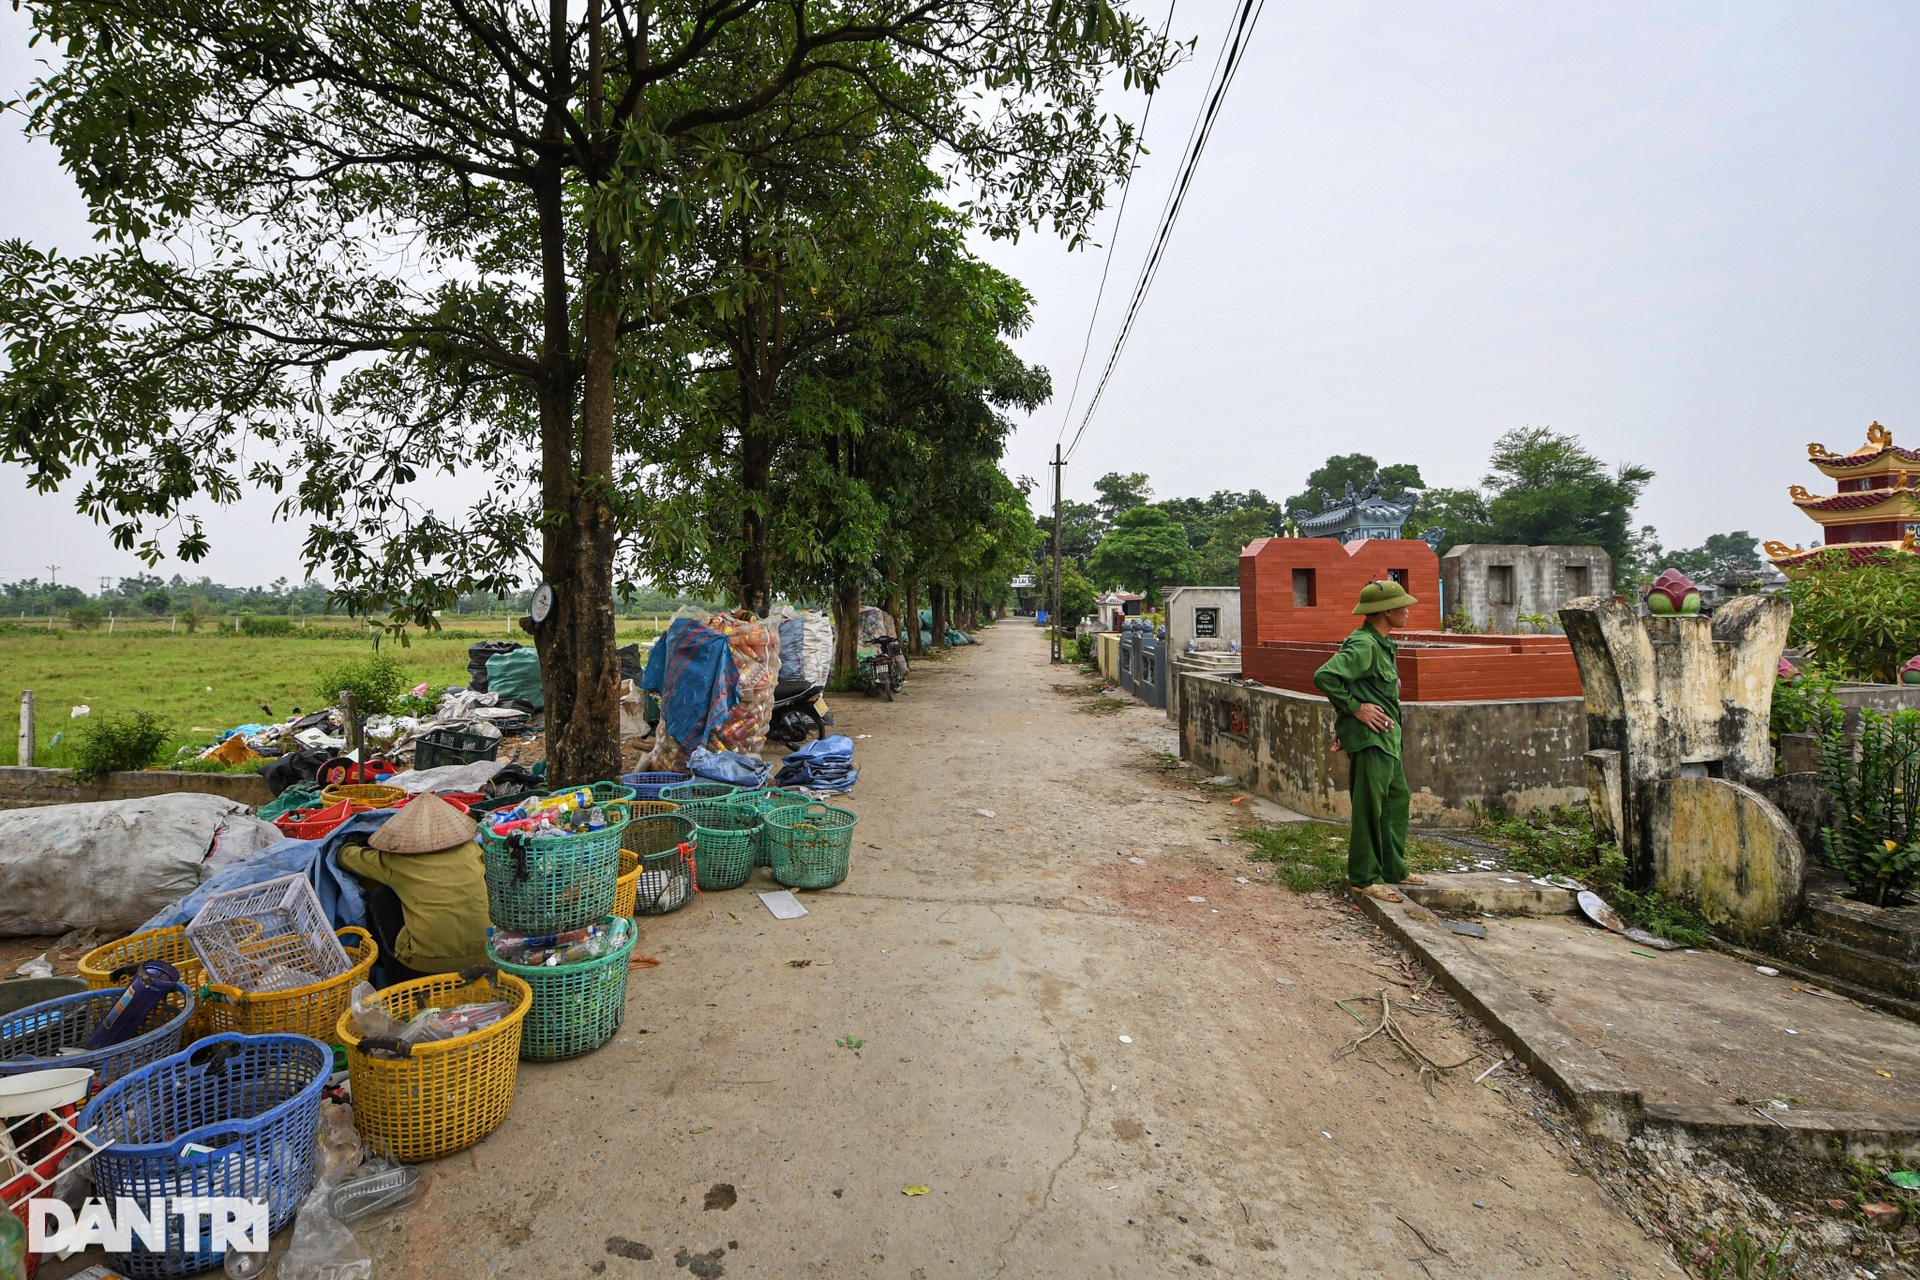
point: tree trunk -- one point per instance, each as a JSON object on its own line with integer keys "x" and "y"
{"x": 896, "y": 604}
{"x": 937, "y": 601}
{"x": 912, "y": 621}
{"x": 756, "y": 482}
{"x": 846, "y": 629}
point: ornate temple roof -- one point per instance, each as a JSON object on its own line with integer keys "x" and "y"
{"x": 1359, "y": 515}
{"x": 1855, "y": 503}
{"x": 1879, "y": 454}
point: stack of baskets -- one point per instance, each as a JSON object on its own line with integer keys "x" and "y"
{"x": 551, "y": 884}
{"x": 272, "y": 964}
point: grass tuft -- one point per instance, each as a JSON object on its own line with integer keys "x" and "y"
{"x": 1309, "y": 856}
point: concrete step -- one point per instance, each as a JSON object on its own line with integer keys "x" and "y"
{"x": 1501, "y": 893}
{"x": 1855, "y": 965}
{"x": 1893, "y": 933}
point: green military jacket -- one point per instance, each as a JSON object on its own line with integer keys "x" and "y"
{"x": 1365, "y": 669}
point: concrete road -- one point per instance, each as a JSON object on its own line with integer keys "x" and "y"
{"x": 1099, "y": 1053}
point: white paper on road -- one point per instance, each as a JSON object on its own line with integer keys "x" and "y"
{"x": 783, "y": 905}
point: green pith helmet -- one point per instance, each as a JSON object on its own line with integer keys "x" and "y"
{"x": 1378, "y": 597}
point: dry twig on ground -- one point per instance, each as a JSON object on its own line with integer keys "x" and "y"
{"x": 1392, "y": 1030}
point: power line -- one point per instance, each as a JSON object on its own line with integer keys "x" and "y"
{"x": 1118, "y": 219}
{"x": 1226, "y": 66}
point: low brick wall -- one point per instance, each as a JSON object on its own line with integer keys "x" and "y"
{"x": 1440, "y": 666}
{"x": 32, "y": 788}
{"x": 1518, "y": 753}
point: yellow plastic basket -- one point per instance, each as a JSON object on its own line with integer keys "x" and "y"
{"x": 445, "y": 1094}
{"x": 305, "y": 1011}
{"x": 646, "y": 808}
{"x": 626, "y": 890}
{"x": 368, "y": 795}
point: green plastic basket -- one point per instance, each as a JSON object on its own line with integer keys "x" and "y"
{"x": 608, "y": 792}
{"x": 549, "y": 884}
{"x": 810, "y": 847}
{"x": 666, "y": 876}
{"x": 300, "y": 795}
{"x": 764, "y": 800}
{"x": 726, "y": 836}
{"x": 700, "y": 789}
{"x": 576, "y": 1007}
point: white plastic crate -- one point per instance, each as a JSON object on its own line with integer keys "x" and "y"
{"x": 270, "y": 936}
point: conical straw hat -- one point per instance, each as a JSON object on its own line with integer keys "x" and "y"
{"x": 427, "y": 825}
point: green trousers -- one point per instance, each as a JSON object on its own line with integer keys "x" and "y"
{"x": 1378, "y": 848}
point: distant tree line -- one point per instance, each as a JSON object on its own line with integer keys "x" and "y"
{"x": 1542, "y": 488}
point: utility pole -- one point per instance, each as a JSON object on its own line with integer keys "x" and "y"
{"x": 1055, "y": 645}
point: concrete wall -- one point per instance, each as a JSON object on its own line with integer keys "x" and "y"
{"x": 1519, "y": 754}
{"x": 1494, "y": 584}
{"x": 1183, "y": 602}
{"x": 31, "y": 788}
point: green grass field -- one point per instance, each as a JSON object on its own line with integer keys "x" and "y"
{"x": 203, "y": 682}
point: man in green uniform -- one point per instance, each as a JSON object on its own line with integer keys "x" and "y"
{"x": 1362, "y": 681}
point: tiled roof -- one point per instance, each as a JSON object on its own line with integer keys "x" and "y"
{"x": 1862, "y": 458}
{"x": 1852, "y": 501}
{"x": 1857, "y": 554}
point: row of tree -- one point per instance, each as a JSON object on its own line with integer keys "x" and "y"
{"x": 681, "y": 286}
{"x": 149, "y": 595}
{"x": 1542, "y": 488}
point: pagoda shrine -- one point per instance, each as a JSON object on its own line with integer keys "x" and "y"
{"x": 1875, "y": 506}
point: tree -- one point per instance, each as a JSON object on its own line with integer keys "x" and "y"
{"x": 1860, "y": 622}
{"x": 455, "y": 229}
{"x": 1079, "y": 534}
{"x": 1076, "y": 599}
{"x": 1120, "y": 494}
{"x": 1549, "y": 491}
{"x": 1329, "y": 481}
{"x": 1460, "y": 514}
{"x": 1723, "y": 559}
{"x": 1146, "y": 550}
{"x": 1219, "y": 562}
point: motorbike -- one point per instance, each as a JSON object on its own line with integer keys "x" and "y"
{"x": 883, "y": 667}
{"x": 794, "y": 713}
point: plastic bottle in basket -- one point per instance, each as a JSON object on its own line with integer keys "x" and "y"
{"x": 151, "y": 983}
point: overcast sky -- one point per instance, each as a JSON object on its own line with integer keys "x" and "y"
{"x": 1685, "y": 233}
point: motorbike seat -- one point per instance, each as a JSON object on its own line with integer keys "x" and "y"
{"x": 787, "y": 689}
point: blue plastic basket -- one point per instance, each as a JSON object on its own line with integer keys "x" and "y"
{"x": 253, "y": 1100}
{"x": 698, "y": 789}
{"x": 44, "y": 1035}
{"x": 646, "y": 786}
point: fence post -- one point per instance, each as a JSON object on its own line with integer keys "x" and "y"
{"x": 109, "y": 624}
{"x": 350, "y": 723}
{"x": 25, "y": 756}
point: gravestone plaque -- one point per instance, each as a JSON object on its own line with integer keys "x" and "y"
{"x": 1206, "y": 623}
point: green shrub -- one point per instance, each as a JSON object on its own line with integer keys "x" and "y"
{"x": 264, "y": 626}
{"x": 117, "y": 741}
{"x": 1875, "y": 789}
{"x": 85, "y": 617}
{"x": 1860, "y": 621}
{"x": 375, "y": 681}
{"x": 1083, "y": 648}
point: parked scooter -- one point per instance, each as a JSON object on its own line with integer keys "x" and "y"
{"x": 794, "y": 713}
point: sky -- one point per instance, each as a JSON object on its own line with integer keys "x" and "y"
{"x": 1680, "y": 232}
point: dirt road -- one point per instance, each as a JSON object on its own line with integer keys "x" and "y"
{"x": 1099, "y": 1052}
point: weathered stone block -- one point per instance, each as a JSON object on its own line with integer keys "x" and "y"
{"x": 1726, "y": 850}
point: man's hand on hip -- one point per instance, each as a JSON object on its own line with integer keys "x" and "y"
{"x": 1374, "y": 717}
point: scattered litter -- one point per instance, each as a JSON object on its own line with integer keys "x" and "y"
{"x": 858, "y": 736}
{"x": 986, "y": 813}
{"x": 1653, "y": 940}
{"x": 1239, "y": 800}
{"x": 699, "y": 1129}
{"x": 798, "y": 964}
{"x": 1326, "y": 1135}
{"x": 1138, "y": 862}
{"x": 1648, "y": 954}
{"x": 80, "y": 711}
{"x": 1466, "y": 928}
{"x": 1242, "y": 880}
{"x": 1905, "y": 1178}
{"x": 1766, "y": 971}
{"x": 914, "y": 1191}
{"x": 1595, "y": 908}
{"x": 1490, "y": 1070}
{"x": 1792, "y": 1032}
{"x": 783, "y": 905}
{"x": 1508, "y": 880}
{"x": 1888, "y": 1074}
{"x": 1126, "y": 1039}
{"x": 1191, "y": 898}
{"x": 1219, "y": 780}
{"x": 1285, "y": 982}
{"x": 850, "y": 1042}
{"x": 38, "y": 967}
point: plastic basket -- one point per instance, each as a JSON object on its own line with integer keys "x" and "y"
{"x": 438, "y": 1097}
{"x": 367, "y": 795}
{"x": 253, "y": 1100}
{"x": 49, "y": 1034}
{"x": 343, "y": 771}
{"x": 308, "y": 1011}
{"x": 270, "y": 936}
{"x": 312, "y": 824}
{"x": 454, "y": 798}
{"x": 548, "y": 884}
{"x": 608, "y": 792}
{"x": 437, "y": 747}
{"x": 301, "y": 795}
{"x": 111, "y": 965}
{"x": 482, "y": 807}
{"x": 811, "y": 847}
{"x": 646, "y": 786}
{"x": 764, "y": 800}
{"x": 628, "y": 885}
{"x": 725, "y": 837}
{"x": 699, "y": 789}
{"x": 666, "y": 881}
{"x": 576, "y": 1007}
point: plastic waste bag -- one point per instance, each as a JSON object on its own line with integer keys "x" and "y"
{"x": 323, "y": 1248}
